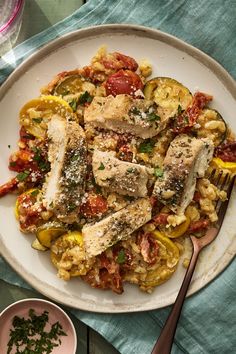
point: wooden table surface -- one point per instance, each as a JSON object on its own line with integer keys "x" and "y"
{"x": 39, "y": 15}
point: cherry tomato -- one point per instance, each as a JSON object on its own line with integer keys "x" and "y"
{"x": 118, "y": 61}
{"x": 187, "y": 119}
{"x": 94, "y": 205}
{"x": 161, "y": 219}
{"x": 21, "y": 160}
{"x": 199, "y": 225}
{"x": 227, "y": 152}
{"x": 123, "y": 82}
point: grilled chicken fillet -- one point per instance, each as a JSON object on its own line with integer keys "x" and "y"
{"x": 124, "y": 114}
{"x": 186, "y": 160}
{"x": 116, "y": 227}
{"x": 119, "y": 176}
{"x": 65, "y": 183}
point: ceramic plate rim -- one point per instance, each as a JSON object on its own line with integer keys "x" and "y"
{"x": 141, "y": 31}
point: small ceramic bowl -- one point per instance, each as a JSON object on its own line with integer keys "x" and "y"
{"x": 55, "y": 313}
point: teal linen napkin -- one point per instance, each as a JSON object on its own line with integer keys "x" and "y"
{"x": 208, "y": 320}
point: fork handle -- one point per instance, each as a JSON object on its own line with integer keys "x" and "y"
{"x": 164, "y": 342}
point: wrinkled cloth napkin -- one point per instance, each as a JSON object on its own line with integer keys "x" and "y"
{"x": 208, "y": 320}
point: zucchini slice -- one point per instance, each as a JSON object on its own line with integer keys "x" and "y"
{"x": 169, "y": 94}
{"x": 49, "y": 232}
{"x": 69, "y": 85}
{"x": 37, "y": 246}
{"x": 212, "y": 125}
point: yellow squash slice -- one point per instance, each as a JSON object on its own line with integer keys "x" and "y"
{"x": 36, "y": 113}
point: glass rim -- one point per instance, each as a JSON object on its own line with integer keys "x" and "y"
{"x": 12, "y": 18}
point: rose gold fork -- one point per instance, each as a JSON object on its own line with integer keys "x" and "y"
{"x": 164, "y": 342}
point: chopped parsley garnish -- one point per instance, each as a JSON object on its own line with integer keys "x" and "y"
{"x": 179, "y": 109}
{"x": 35, "y": 193}
{"x": 131, "y": 169}
{"x": 71, "y": 207}
{"x": 29, "y": 335}
{"x": 9, "y": 146}
{"x": 12, "y": 164}
{"x": 121, "y": 257}
{"x": 41, "y": 162}
{"x": 135, "y": 111}
{"x": 65, "y": 92}
{"x": 146, "y": 146}
{"x": 85, "y": 98}
{"x": 152, "y": 117}
{"x": 186, "y": 119}
{"x": 73, "y": 104}
{"x": 37, "y": 120}
{"x": 101, "y": 167}
{"x": 23, "y": 175}
{"x": 158, "y": 172}
{"x": 75, "y": 157}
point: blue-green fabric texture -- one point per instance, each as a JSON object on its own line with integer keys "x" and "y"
{"x": 208, "y": 321}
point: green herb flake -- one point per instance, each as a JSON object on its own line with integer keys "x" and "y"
{"x": 73, "y": 104}
{"x": 158, "y": 172}
{"x": 71, "y": 207}
{"x": 85, "y": 98}
{"x": 35, "y": 193}
{"x": 135, "y": 111}
{"x": 146, "y": 146}
{"x": 101, "y": 167}
{"x": 131, "y": 170}
{"x": 29, "y": 335}
{"x": 37, "y": 120}
{"x": 152, "y": 117}
{"x": 12, "y": 164}
{"x": 180, "y": 110}
{"x": 22, "y": 175}
{"x": 65, "y": 92}
{"x": 9, "y": 146}
{"x": 75, "y": 157}
{"x": 121, "y": 257}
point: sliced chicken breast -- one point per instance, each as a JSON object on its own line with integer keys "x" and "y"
{"x": 119, "y": 176}
{"x": 124, "y": 114}
{"x": 65, "y": 183}
{"x": 186, "y": 160}
{"x": 116, "y": 227}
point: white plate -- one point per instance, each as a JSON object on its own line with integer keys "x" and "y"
{"x": 169, "y": 57}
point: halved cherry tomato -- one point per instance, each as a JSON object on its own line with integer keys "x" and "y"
{"x": 21, "y": 160}
{"x": 199, "y": 225}
{"x": 94, "y": 205}
{"x": 123, "y": 82}
{"x": 118, "y": 61}
{"x": 186, "y": 119}
{"x": 28, "y": 211}
{"x": 161, "y": 219}
{"x": 227, "y": 152}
